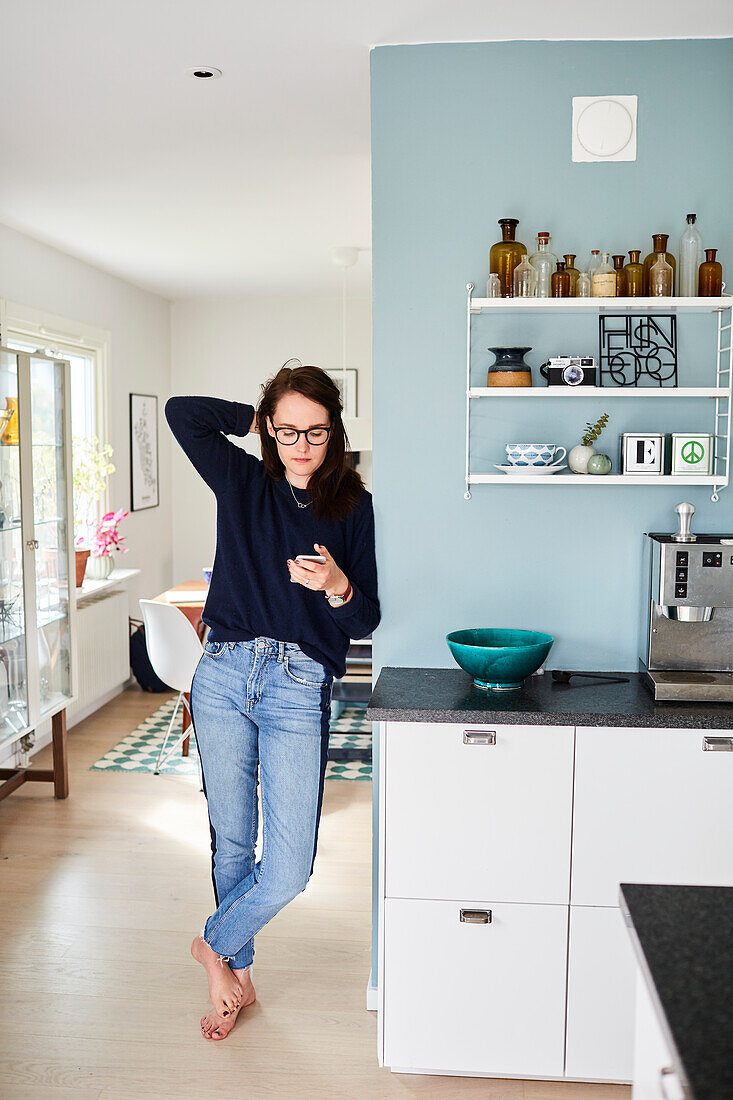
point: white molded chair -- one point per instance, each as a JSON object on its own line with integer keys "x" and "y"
{"x": 174, "y": 650}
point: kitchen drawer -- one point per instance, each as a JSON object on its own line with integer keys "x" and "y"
{"x": 651, "y": 805}
{"x": 478, "y": 820}
{"x": 474, "y": 998}
{"x": 601, "y": 990}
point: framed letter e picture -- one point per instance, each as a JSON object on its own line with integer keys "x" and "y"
{"x": 143, "y": 451}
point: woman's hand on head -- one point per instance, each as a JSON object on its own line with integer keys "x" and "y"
{"x": 326, "y": 577}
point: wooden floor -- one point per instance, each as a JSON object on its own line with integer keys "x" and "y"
{"x": 101, "y": 895}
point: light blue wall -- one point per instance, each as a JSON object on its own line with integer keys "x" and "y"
{"x": 461, "y": 136}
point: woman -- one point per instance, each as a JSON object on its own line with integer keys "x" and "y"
{"x": 279, "y": 632}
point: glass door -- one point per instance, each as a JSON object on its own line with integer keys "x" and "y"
{"x": 13, "y": 652}
{"x": 50, "y": 444}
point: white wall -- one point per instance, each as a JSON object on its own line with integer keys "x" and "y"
{"x": 229, "y": 348}
{"x": 43, "y": 278}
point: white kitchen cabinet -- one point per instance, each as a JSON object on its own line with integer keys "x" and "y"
{"x": 478, "y": 811}
{"x": 651, "y": 805}
{"x": 654, "y": 1072}
{"x": 475, "y": 997}
{"x": 601, "y": 977}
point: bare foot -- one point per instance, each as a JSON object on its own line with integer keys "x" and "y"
{"x": 213, "y": 1026}
{"x": 224, "y": 987}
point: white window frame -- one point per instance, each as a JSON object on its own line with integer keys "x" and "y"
{"x": 72, "y": 337}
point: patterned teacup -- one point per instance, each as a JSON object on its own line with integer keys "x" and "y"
{"x": 534, "y": 454}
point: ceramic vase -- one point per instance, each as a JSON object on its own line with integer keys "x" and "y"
{"x": 99, "y": 568}
{"x": 578, "y": 458}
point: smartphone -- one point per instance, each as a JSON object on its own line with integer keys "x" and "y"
{"x": 308, "y": 557}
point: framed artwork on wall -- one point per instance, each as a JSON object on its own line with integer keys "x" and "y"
{"x": 143, "y": 451}
{"x": 348, "y": 392}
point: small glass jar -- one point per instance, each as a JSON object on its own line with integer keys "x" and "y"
{"x": 634, "y": 275}
{"x": 525, "y": 279}
{"x": 544, "y": 262}
{"x": 572, "y": 272}
{"x": 618, "y": 264}
{"x": 494, "y": 288}
{"x": 560, "y": 281}
{"x": 593, "y": 261}
{"x": 710, "y": 279}
{"x": 583, "y": 286}
{"x": 661, "y": 278}
{"x": 603, "y": 280}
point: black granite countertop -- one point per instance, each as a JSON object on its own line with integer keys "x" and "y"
{"x": 450, "y": 695}
{"x": 683, "y": 938}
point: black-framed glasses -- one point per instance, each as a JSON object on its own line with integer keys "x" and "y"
{"x": 315, "y": 436}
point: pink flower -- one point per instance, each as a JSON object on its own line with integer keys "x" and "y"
{"x": 106, "y": 537}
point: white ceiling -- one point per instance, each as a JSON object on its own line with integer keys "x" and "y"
{"x": 240, "y": 185}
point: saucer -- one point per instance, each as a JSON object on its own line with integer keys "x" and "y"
{"x": 530, "y": 471}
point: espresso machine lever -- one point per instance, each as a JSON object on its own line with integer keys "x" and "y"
{"x": 685, "y": 512}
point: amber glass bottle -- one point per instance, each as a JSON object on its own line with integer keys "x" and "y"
{"x": 634, "y": 275}
{"x": 618, "y": 266}
{"x": 560, "y": 281}
{"x": 572, "y": 272}
{"x": 710, "y": 280}
{"x": 659, "y": 241}
{"x": 506, "y": 254}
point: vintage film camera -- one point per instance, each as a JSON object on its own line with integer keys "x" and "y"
{"x": 570, "y": 370}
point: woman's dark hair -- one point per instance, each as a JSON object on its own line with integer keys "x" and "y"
{"x": 335, "y": 487}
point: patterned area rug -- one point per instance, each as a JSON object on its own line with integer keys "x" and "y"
{"x": 139, "y": 750}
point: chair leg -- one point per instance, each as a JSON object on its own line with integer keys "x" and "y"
{"x": 156, "y": 770}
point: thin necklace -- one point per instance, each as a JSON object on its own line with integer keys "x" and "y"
{"x": 294, "y": 496}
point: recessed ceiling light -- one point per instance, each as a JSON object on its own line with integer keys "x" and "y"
{"x": 204, "y": 72}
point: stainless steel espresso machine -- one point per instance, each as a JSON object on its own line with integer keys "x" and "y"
{"x": 687, "y": 652}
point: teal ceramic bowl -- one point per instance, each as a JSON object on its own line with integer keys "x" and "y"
{"x": 499, "y": 660}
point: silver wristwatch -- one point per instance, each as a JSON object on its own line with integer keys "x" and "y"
{"x": 336, "y": 601}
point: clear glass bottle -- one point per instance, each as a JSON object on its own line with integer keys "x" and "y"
{"x": 494, "y": 287}
{"x": 634, "y": 275}
{"x": 661, "y": 278}
{"x": 710, "y": 284}
{"x": 506, "y": 254}
{"x": 544, "y": 262}
{"x": 572, "y": 272}
{"x": 525, "y": 279}
{"x": 618, "y": 263}
{"x": 583, "y": 286}
{"x": 603, "y": 279}
{"x": 560, "y": 281}
{"x": 659, "y": 242}
{"x": 593, "y": 261}
{"x": 690, "y": 257}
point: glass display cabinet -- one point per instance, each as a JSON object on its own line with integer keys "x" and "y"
{"x": 37, "y": 572}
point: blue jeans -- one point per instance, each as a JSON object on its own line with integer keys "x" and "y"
{"x": 261, "y": 701}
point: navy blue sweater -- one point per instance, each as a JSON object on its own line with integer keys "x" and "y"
{"x": 258, "y": 527}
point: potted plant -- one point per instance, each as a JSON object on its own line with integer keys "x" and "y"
{"x": 579, "y": 456}
{"x": 105, "y": 539}
{"x": 91, "y": 466}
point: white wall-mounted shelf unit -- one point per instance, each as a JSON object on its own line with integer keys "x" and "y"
{"x": 720, "y": 393}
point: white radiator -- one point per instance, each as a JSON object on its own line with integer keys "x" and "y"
{"x": 102, "y": 649}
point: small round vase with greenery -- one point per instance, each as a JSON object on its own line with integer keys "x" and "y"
{"x": 580, "y": 455}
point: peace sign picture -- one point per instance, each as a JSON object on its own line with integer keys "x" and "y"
{"x": 692, "y": 454}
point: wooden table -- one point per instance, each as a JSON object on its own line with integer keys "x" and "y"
{"x": 190, "y": 597}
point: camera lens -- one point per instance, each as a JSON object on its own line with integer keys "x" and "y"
{"x": 572, "y": 376}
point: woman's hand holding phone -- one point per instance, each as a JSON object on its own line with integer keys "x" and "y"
{"x": 319, "y": 576}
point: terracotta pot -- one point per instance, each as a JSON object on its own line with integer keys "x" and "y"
{"x": 81, "y": 564}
